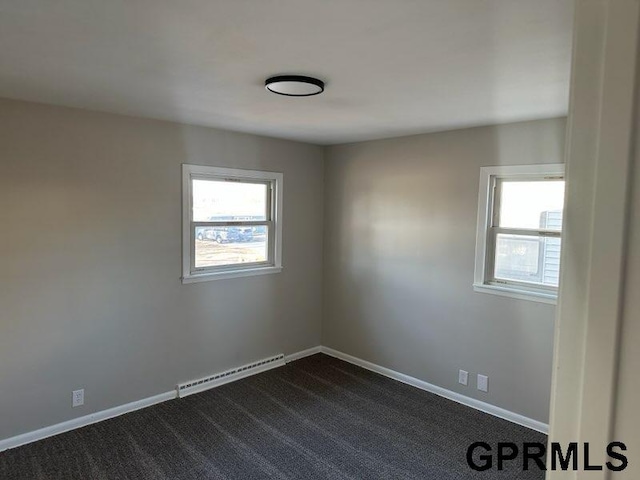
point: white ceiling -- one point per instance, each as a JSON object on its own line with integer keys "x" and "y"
{"x": 392, "y": 67}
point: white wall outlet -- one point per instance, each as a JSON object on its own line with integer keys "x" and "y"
{"x": 483, "y": 383}
{"x": 463, "y": 377}
{"x": 77, "y": 398}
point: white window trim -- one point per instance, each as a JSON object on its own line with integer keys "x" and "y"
{"x": 233, "y": 271}
{"x": 485, "y": 203}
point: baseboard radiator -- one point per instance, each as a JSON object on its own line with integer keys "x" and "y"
{"x": 217, "y": 379}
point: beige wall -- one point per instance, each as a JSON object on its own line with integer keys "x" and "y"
{"x": 400, "y": 226}
{"x": 596, "y": 354}
{"x": 90, "y": 262}
{"x": 627, "y": 414}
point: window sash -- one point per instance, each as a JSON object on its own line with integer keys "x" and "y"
{"x": 490, "y": 277}
{"x": 233, "y": 266}
{"x": 493, "y": 230}
{"x": 270, "y": 223}
{"x": 486, "y": 231}
{"x": 233, "y": 223}
{"x": 270, "y": 191}
{"x": 527, "y": 231}
{"x": 496, "y": 188}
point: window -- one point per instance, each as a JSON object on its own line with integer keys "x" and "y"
{"x": 519, "y": 233}
{"x": 231, "y": 223}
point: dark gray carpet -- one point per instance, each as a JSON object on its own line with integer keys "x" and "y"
{"x": 314, "y": 418}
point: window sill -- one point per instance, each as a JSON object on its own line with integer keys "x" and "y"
{"x": 247, "y": 272}
{"x": 520, "y": 294}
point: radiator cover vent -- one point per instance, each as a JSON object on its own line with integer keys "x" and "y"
{"x": 217, "y": 379}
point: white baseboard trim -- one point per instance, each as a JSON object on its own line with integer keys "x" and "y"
{"x": 304, "y": 353}
{"x": 96, "y": 417}
{"x": 74, "y": 423}
{"x": 443, "y": 392}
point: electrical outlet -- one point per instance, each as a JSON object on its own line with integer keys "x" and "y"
{"x": 463, "y": 377}
{"x": 77, "y": 398}
{"x": 483, "y": 383}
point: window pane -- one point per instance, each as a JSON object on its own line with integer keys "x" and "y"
{"x": 528, "y": 259}
{"x": 216, "y": 246}
{"x": 217, "y": 200}
{"x": 532, "y": 204}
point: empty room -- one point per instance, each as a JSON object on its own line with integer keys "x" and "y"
{"x": 303, "y": 239}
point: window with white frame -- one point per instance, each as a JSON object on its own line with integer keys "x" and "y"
{"x": 519, "y": 234}
{"x": 231, "y": 223}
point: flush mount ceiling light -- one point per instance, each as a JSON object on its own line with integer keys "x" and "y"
{"x": 294, "y": 85}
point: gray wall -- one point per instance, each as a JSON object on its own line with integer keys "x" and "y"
{"x": 90, "y": 262}
{"x": 400, "y": 226}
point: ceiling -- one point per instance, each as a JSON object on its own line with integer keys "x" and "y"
{"x": 392, "y": 67}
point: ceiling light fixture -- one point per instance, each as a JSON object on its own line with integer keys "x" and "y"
{"x": 294, "y": 85}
